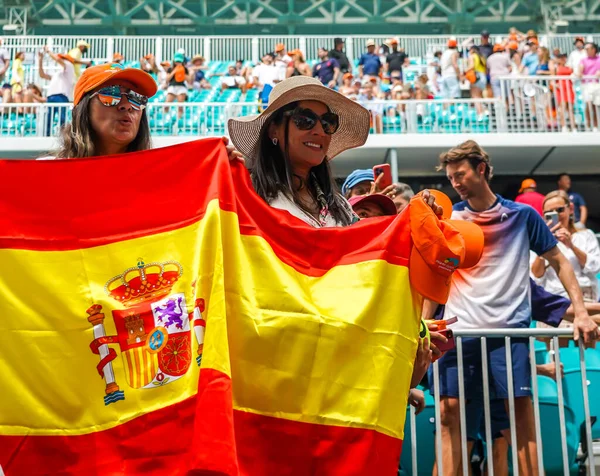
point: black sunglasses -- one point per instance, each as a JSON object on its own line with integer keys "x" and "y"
{"x": 306, "y": 119}
{"x": 557, "y": 210}
{"x": 111, "y": 96}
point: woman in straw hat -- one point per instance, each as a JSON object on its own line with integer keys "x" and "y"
{"x": 289, "y": 146}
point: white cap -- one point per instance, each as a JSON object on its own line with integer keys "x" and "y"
{"x": 370, "y": 42}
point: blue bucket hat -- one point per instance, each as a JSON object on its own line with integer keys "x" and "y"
{"x": 356, "y": 177}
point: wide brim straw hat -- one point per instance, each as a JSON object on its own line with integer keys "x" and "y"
{"x": 354, "y": 120}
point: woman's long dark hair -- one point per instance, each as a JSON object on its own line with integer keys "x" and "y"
{"x": 272, "y": 174}
{"x": 77, "y": 139}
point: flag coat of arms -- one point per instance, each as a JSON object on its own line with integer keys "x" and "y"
{"x": 158, "y": 317}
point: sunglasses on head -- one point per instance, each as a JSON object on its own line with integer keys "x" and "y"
{"x": 306, "y": 119}
{"x": 111, "y": 96}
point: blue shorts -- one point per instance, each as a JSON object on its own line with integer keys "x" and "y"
{"x": 474, "y": 412}
{"x": 473, "y": 378}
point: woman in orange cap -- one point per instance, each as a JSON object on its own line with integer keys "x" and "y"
{"x": 109, "y": 116}
{"x": 298, "y": 67}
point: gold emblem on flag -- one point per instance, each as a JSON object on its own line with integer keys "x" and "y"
{"x": 153, "y": 330}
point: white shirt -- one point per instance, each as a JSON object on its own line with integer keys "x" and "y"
{"x": 281, "y": 202}
{"x": 282, "y": 64}
{"x": 496, "y": 292}
{"x": 266, "y": 74}
{"x": 586, "y": 241}
{"x": 63, "y": 81}
{"x": 448, "y": 70}
{"x": 575, "y": 58}
{"x": 233, "y": 81}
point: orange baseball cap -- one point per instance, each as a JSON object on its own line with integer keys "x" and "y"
{"x": 347, "y": 76}
{"x": 527, "y": 183}
{"x": 118, "y": 57}
{"x": 279, "y": 47}
{"x": 513, "y": 45}
{"x": 498, "y": 48}
{"x": 452, "y": 43}
{"x": 69, "y": 58}
{"x": 439, "y": 248}
{"x": 98, "y": 75}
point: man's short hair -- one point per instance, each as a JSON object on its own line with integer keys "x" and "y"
{"x": 338, "y": 41}
{"x": 561, "y": 175}
{"x": 471, "y": 151}
{"x": 403, "y": 190}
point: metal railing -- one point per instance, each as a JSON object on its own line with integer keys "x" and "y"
{"x": 551, "y": 103}
{"x": 561, "y": 398}
{"x": 232, "y": 48}
{"x": 409, "y": 116}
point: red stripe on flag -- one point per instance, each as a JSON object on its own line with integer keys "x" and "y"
{"x": 268, "y": 445}
{"x": 169, "y": 441}
{"x": 199, "y": 433}
{"x": 81, "y": 203}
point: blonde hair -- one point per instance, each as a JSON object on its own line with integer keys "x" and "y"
{"x": 565, "y": 196}
{"x": 471, "y": 151}
{"x": 545, "y": 53}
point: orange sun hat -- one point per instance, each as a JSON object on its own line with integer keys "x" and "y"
{"x": 439, "y": 248}
{"x": 96, "y": 76}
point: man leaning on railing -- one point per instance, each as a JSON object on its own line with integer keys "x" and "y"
{"x": 496, "y": 294}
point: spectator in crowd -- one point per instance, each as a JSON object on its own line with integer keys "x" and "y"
{"x": 580, "y": 210}
{"x": 369, "y": 64}
{"x": 421, "y": 87}
{"x": 450, "y": 71}
{"x": 327, "y": 70}
{"x": 282, "y": 60}
{"x": 477, "y": 63}
{"x": 564, "y": 95}
{"x": 33, "y": 93}
{"x": 590, "y": 66}
{"x": 395, "y": 60}
{"x": 347, "y": 88}
{"x": 543, "y": 67}
{"x": 118, "y": 58}
{"x": 232, "y": 80}
{"x": 4, "y": 65}
{"x": 400, "y": 193}
{"x": 358, "y": 183}
{"x": 496, "y": 294}
{"x": 371, "y": 206}
{"x": 498, "y": 65}
{"x": 198, "y": 69}
{"x": 577, "y": 54}
{"x": 17, "y": 78}
{"x": 60, "y": 89}
{"x": 77, "y": 53}
{"x": 290, "y": 144}
{"x": 148, "y": 64}
{"x": 485, "y": 47}
{"x": 298, "y": 66}
{"x": 579, "y": 246}
{"x": 366, "y": 98}
{"x": 265, "y": 76}
{"x": 177, "y": 76}
{"x": 529, "y": 195}
{"x": 338, "y": 54}
{"x": 162, "y": 74}
{"x": 555, "y": 53}
{"x": 435, "y": 71}
{"x": 531, "y": 59}
{"x": 244, "y": 71}
{"x": 109, "y": 114}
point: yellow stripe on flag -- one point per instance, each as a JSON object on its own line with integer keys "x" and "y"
{"x": 320, "y": 358}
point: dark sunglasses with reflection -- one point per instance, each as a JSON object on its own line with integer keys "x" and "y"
{"x": 306, "y": 119}
{"x": 111, "y": 96}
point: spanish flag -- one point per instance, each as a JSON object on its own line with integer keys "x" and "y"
{"x": 158, "y": 318}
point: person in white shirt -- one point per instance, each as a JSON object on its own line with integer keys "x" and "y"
{"x": 60, "y": 89}
{"x": 282, "y": 60}
{"x": 577, "y": 54}
{"x": 4, "y": 65}
{"x": 579, "y": 246}
{"x": 232, "y": 80}
{"x": 266, "y": 75}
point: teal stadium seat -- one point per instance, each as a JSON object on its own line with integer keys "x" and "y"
{"x": 425, "y": 425}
